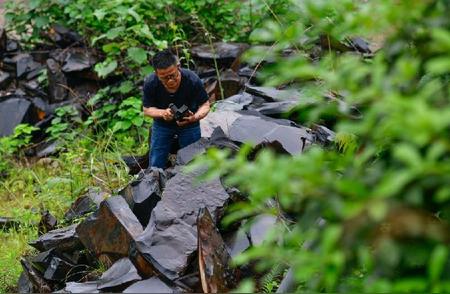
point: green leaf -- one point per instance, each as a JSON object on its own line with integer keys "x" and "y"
{"x": 439, "y": 65}
{"x": 146, "y": 70}
{"x": 103, "y": 69}
{"x": 138, "y": 121}
{"x": 138, "y": 55}
{"x": 41, "y": 21}
{"x": 122, "y": 126}
{"x": 111, "y": 48}
{"x": 115, "y": 32}
{"x": 99, "y": 14}
{"x": 437, "y": 262}
{"x": 126, "y": 87}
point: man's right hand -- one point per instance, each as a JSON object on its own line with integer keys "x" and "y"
{"x": 167, "y": 114}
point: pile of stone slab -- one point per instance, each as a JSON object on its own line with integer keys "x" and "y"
{"x": 33, "y": 84}
{"x": 158, "y": 234}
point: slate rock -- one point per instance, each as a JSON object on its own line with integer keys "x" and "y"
{"x": 46, "y": 149}
{"x": 136, "y": 163}
{"x": 186, "y": 154}
{"x": 8, "y": 222}
{"x": 235, "y": 102}
{"x": 287, "y": 284}
{"x": 21, "y": 64}
{"x": 47, "y": 223}
{"x": 118, "y": 276}
{"x": 275, "y": 109}
{"x": 60, "y": 270}
{"x": 12, "y": 45}
{"x": 110, "y": 230}
{"x": 57, "y": 82}
{"x": 218, "y": 139}
{"x": 3, "y": 39}
{"x": 33, "y": 89}
{"x": 224, "y": 53}
{"x": 65, "y": 239}
{"x": 215, "y": 272}
{"x": 145, "y": 192}
{"x": 222, "y": 119}
{"x": 13, "y": 112}
{"x": 237, "y": 242}
{"x": 42, "y": 260}
{"x": 5, "y": 80}
{"x": 256, "y": 130}
{"x": 87, "y": 287}
{"x": 274, "y": 95}
{"x": 231, "y": 83}
{"x": 39, "y": 284}
{"x": 152, "y": 285}
{"x": 170, "y": 240}
{"x": 85, "y": 204}
{"x": 260, "y": 227}
{"x": 63, "y": 36}
{"x": 35, "y": 72}
{"x": 78, "y": 61}
{"x": 323, "y": 135}
{"x": 360, "y": 45}
{"x": 24, "y": 285}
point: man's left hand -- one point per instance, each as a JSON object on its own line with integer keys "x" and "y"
{"x": 190, "y": 118}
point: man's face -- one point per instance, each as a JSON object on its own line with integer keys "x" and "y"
{"x": 170, "y": 77}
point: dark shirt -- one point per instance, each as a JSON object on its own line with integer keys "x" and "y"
{"x": 190, "y": 93}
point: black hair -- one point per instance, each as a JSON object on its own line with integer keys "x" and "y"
{"x": 164, "y": 59}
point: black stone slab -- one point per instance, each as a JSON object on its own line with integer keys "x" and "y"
{"x": 170, "y": 240}
{"x": 57, "y": 82}
{"x": 120, "y": 275}
{"x": 13, "y": 112}
{"x": 85, "y": 204}
{"x": 256, "y": 130}
{"x": 152, "y": 285}
{"x": 110, "y": 230}
{"x": 65, "y": 239}
{"x": 144, "y": 193}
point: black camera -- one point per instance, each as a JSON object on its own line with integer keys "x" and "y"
{"x": 179, "y": 113}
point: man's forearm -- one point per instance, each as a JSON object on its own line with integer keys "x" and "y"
{"x": 153, "y": 112}
{"x": 202, "y": 111}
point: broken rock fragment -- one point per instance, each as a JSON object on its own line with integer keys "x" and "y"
{"x": 144, "y": 193}
{"x": 121, "y": 274}
{"x": 57, "y": 82}
{"x": 110, "y": 230}
{"x": 257, "y": 130}
{"x": 224, "y": 53}
{"x": 5, "y": 79}
{"x": 152, "y": 285}
{"x": 136, "y": 163}
{"x": 8, "y": 222}
{"x": 215, "y": 273}
{"x": 78, "y": 60}
{"x": 85, "y": 204}
{"x": 260, "y": 228}
{"x": 65, "y": 239}
{"x": 273, "y": 95}
{"x": 170, "y": 240}
{"x": 16, "y": 111}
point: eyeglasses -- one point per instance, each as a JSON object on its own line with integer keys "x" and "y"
{"x": 169, "y": 77}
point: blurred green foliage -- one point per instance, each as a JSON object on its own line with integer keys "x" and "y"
{"x": 373, "y": 213}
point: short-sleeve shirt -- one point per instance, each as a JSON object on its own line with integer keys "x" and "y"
{"x": 190, "y": 93}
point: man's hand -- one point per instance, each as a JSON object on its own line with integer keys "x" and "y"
{"x": 188, "y": 119}
{"x": 167, "y": 114}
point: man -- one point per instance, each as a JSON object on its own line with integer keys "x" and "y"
{"x": 172, "y": 84}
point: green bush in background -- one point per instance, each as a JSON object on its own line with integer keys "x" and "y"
{"x": 373, "y": 217}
